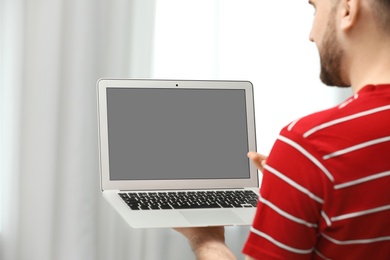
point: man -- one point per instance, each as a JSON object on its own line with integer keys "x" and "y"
{"x": 326, "y": 184}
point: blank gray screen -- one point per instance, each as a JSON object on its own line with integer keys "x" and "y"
{"x": 166, "y": 134}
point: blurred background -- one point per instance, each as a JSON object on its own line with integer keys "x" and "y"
{"x": 52, "y": 52}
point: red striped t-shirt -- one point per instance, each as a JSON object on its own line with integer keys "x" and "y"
{"x": 325, "y": 192}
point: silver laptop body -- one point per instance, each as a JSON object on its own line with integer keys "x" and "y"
{"x": 176, "y": 136}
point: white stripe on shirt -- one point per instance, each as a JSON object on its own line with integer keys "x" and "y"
{"x": 307, "y": 154}
{"x": 293, "y": 183}
{"x": 362, "y": 180}
{"x": 327, "y": 220}
{"x": 357, "y": 241}
{"x": 357, "y": 147}
{"x": 292, "y": 124}
{"x": 321, "y": 255}
{"x": 279, "y": 244}
{"x": 344, "y": 119}
{"x": 361, "y": 213}
{"x": 287, "y": 215}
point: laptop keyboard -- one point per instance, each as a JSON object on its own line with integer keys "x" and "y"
{"x": 190, "y": 199}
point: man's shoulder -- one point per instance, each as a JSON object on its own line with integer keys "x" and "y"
{"x": 352, "y": 113}
{"x": 303, "y": 125}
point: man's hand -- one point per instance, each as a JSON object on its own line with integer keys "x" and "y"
{"x": 258, "y": 159}
{"x": 207, "y": 242}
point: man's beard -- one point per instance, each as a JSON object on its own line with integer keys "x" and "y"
{"x": 331, "y": 56}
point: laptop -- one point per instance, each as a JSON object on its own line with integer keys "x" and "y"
{"x": 173, "y": 153}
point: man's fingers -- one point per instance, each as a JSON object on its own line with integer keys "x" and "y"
{"x": 258, "y": 159}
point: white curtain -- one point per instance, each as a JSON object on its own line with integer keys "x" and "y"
{"x": 52, "y": 54}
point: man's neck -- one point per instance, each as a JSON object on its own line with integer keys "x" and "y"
{"x": 371, "y": 65}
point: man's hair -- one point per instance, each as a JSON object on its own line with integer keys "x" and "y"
{"x": 381, "y": 9}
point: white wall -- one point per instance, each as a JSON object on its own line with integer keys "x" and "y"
{"x": 266, "y": 42}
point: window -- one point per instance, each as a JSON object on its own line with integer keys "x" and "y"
{"x": 265, "y": 42}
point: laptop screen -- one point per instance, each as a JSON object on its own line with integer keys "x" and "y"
{"x": 177, "y": 133}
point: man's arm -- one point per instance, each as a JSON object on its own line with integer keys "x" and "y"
{"x": 208, "y": 243}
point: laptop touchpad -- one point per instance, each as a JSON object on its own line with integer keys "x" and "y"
{"x": 211, "y": 217}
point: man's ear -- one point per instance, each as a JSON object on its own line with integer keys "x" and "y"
{"x": 350, "y": 12}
